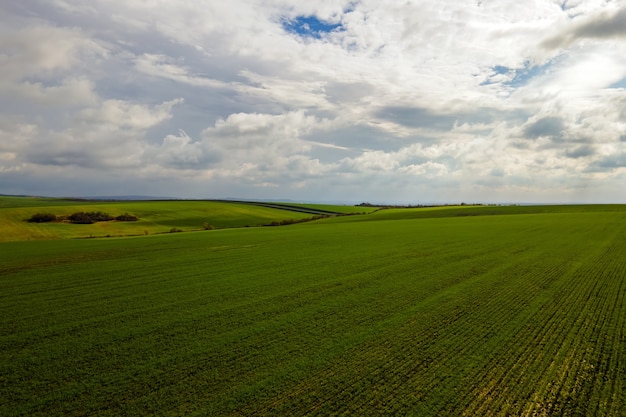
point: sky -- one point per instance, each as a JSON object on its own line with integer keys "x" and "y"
{"x": 381, "y": 101}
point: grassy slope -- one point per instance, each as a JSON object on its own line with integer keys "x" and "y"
{"x": 338, "y": 208}
{"x": 155, "y": 217}
{"x": 448, "y": 316}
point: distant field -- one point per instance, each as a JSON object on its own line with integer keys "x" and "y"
{"x": 154, "y": 217}
{"x": 517, "y": 312}
{"x": 467, "y": 211}
{"x": 339, "y": 208}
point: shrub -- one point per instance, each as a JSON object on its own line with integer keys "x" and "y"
{"x": 175, "y": 230}
{"x": 90, "y": 217}
{"x": 42, "y": 218}
{"x": 127, "y": 218}
{"x": 99, "y": 216}
{"x": 80, "y": 218}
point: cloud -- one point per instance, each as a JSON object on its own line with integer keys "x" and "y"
{"x": 120, "y": 115}
{"x": 110, "y": 135}
{"x": 314, "y": 100}
{"x": 551, "y": 127}
{"x": 159, "y": 65}
{"x": 181, "y": 152}
{"x": 580, "y": 152}
{"x": 415, "y": 117}
{"x": 42, "y": 65}
{"x": 14, "y": 137}
{"x": 45, "y": 50}
{"x": 260, "y": 142}
{"x": 612, "y": 161}
{"x": 599, "y": 26}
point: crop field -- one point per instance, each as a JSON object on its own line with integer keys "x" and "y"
{"x": 460, "y": 312}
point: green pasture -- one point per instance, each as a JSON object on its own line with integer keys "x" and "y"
{"x": 154, "y": 217}
{"x": 20, "y": 202}
{"x": 514, "y": 313}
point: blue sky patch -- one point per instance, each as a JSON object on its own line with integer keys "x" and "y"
{"x": 524, "y": 75}
{"x": 520, "y": 76}
{"x": 498, "y": 69}
{"x": 309, "y": 26}
{"x": 620, "y": 84}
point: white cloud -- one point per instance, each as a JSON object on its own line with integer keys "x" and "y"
{"x": 159, "y": 65}
{"x": 445, "y": 97}
{"x": 261, "y": 142}
{"x": 67, "y": 92}
{"x": 42, "y": 65}
{"x": 44, "y": 50}
{"x": 119, "y": 114}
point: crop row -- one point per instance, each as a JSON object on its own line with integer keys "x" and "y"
{"x": 511, "y": 340}
{"x": 547, "y": 367}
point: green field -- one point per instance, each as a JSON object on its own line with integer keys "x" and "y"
{"x": 154, "y": 217}
{"x": 426, "y": 312}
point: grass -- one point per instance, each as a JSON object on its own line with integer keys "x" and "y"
{"x": 155, "y": 217}
{"x": 470, "y": 211}
{"x": 338, "y": 208}
{"x": 518, "y": 314}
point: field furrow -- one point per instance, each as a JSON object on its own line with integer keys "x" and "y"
{"x": 436, "y": 316}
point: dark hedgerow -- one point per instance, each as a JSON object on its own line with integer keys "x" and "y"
{"x": 42, "y": 218}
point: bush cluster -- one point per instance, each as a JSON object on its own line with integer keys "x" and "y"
{"x": 127, "y": 218}
{"x": 89, "y": 217}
